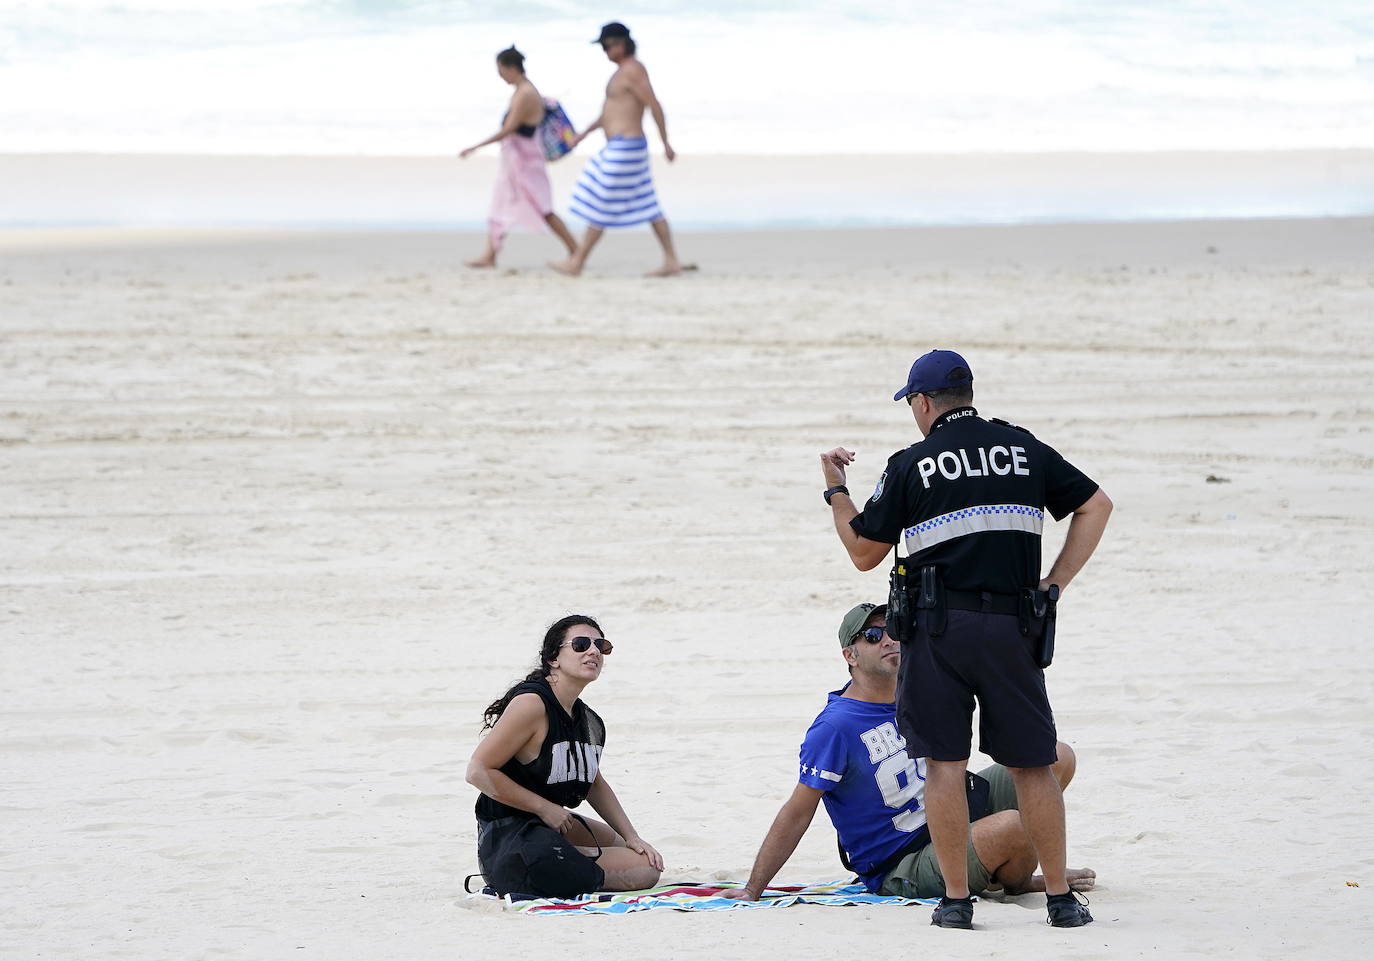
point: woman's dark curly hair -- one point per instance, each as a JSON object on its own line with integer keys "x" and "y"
{"x": 510, "y": 57}
{"x": 548, "y": 652}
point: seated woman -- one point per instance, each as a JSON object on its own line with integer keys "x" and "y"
{"x": 543, "y": 757}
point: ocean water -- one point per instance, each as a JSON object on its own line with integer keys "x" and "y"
{"x": 736, "y": 76}
{"x": 416, "y": 77}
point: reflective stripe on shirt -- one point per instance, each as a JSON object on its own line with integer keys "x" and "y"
{"x": 973, "y": 520}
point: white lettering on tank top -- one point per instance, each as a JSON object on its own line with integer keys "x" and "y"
{"x": 574, "y": 762}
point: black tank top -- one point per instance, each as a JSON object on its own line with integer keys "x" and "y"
{"x": 567, "y": 762}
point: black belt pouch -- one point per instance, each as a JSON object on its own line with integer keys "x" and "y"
{"x": 1037, "y": 612}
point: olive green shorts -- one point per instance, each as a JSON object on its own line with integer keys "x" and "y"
{"x": 918, "y": 875}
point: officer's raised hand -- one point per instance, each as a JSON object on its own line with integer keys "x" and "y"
{"x": 833, "y": 463}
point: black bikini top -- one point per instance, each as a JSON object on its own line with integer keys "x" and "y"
{"x": 525, "y": 129}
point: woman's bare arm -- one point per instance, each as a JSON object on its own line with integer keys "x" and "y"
{"x": 522, "y": 722}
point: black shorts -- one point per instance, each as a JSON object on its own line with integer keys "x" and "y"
{"x": 525, "y": 857}
{"x": 983, "y": 656}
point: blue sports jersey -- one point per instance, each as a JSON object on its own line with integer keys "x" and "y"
{"x": 874, "y": 793}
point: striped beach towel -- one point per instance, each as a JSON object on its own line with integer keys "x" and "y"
{"x": 616, "y": 188}
{"x": 704, "y": 897}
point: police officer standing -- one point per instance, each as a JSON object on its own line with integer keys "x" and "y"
{"x": 965, "y": 508}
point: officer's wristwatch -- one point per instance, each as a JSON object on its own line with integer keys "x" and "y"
{"x": 832, "y": 491}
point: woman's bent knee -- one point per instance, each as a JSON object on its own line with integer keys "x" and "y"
{"x": 631, "y": 879}
{"x": 626, "y": 870}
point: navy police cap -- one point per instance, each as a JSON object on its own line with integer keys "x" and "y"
{"x": 936, "y": 370}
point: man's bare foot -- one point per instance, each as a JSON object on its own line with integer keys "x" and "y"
{"x": 669, "y": 269}
{"x": 568, "y": 268}
{"x": 1080, "y": 879}
{"x": 482, "y": 263}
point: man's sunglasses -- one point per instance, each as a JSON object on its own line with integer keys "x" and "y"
{"x": 581, "y": 645}
{"x": 873, "y": 635}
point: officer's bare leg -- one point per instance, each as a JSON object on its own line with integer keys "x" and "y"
{"x": 1041, "y": 801}
{"x": 1080, "y": 879}
{"x": 1005, "y": 850}
{"x": 947, "y": 816}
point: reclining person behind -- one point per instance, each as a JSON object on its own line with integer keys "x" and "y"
{"x": 854, "y": 759}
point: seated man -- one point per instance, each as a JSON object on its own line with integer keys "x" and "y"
{"x": 855, "y": 760}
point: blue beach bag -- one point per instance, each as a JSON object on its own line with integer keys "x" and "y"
{"x": 556, "y": 131}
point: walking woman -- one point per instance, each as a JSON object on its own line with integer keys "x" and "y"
{"x": 523, "y": 197}
{"x": 543, "y": 757}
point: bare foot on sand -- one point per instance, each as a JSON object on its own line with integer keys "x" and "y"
{"x": 670, "y": 268}
{"x": 1080, "y": 879}
{"x": 482, "y": 263}
{"x": 568, "y": 268}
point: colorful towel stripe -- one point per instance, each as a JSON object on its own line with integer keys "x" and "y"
{"x": 616, "y": 188}
{"x": 705, "y": 897}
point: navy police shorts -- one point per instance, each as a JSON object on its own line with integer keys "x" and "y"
{"x": 982, "y": 656}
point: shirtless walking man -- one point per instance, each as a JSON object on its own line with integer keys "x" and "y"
{"x": 616, "y": 188}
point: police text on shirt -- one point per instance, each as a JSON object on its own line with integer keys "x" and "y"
{"x": 995, "y": 460}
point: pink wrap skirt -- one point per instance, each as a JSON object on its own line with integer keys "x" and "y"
{"x": 523, "y": 197}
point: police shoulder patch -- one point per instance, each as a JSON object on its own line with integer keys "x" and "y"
{"x": 878, "y": 491}
{"x": 1007, "y": 423}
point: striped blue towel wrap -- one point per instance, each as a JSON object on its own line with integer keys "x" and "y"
{"x": 616, "y": 188}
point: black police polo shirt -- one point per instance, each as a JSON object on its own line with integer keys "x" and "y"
{"x": 971, "y": 498}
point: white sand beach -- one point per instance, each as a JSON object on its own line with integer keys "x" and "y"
{"x": 283, "y": 511}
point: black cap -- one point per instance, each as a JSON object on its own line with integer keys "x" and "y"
{"x": 615, "y": 30}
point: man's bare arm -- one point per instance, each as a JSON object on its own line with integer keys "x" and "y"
{"x": 595, "y": 125}
{"x": 517, "y": 725}
{"x": 782, "y": 839}
{"x": 1085, "y": 530}
{"x": 644, "y": 90}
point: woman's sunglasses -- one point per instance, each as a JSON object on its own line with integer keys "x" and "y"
{"x": 581, "y": 645}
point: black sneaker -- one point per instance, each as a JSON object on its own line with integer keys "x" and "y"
{"x": 953, "y": 913}
{"x": 1067, "y": 911}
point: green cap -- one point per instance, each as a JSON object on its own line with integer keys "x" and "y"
{"x": 854, "y": 621}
